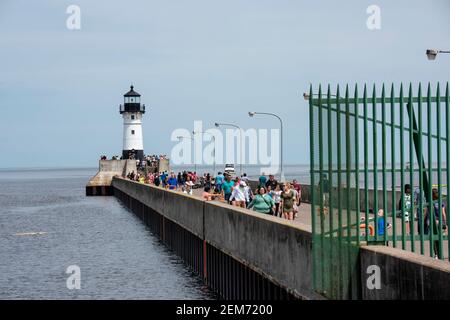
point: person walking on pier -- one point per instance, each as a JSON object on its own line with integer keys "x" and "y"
{"x": 172, "y": 182}
{"x": 296, "y": 196}
{"x": 157, "y": 180}
{"x": 163, "y": 177}
{"x": 287, "y": 202}
{"x": 262, "y": 203}
{"x": 207, "y": 195}
{"x": 405, "y": 208}
{"x": 208, "y": 180}
{"x": 238, "y": 197}
{"x": 179, "y": 180}
{"x": 433, "y": 218}
{"x": 276, "y": 196}
{"x": 298, "y": 188}
{"x": 325, "y": 188}
{"x": 262, "y": 180}
{"x": 227, "y": 188}
{"x": 248, "y": 194}
{"x": 219, "y": 181}
{"x": 272, "y": 183}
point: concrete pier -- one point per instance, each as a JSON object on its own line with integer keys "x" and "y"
{"x": 100, "y": 184}
{"x": 242, "y": 254}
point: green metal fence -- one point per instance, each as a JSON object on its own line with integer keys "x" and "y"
{"x": 378, "y": 177}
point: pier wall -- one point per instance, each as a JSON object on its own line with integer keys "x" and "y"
{"x": 404, "y": 275}
{"x": 100, "y": 184}
{"x": 242, "y": 254}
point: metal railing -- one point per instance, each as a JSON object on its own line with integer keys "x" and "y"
{"x": 378, "y": 177}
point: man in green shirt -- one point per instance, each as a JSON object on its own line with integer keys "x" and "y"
{"x": 227, "y": 188}
{"x": 262, "y": 180}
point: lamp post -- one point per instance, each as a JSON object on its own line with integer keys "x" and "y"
{"x": 214, "y": 150}
{"x": 432, "y": 53}
{"x": 195, "y": 160}
{"x": 252, "y": 114}
{"x": 217, "y": 124}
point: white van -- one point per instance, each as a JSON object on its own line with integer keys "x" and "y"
{"x": 229, "y": 169}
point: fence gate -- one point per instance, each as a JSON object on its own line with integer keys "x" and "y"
{"x": 378, "y": 177}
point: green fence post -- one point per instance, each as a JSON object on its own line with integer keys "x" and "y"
{"x": 366, "y": 165}
{"x": 439, "y": 177}
{"x": 358, "y": 209}
{"x": 393, "y": 166}
{"x": 330, "y": 186}
{"x": 430, "y": 173}
{"x": 447, "y": 158}
{"x": 411, "y": 165}
{"x": 339, "y": 182}
{"x": 402, "y": 167}
{"x": 383, "y": 145}
{"x": 348, "y": 161}
{"x": 322, "y": 231}
{"x": 312, "y": 182}
{"x": 421, "y": 217}
{"x": 375, "y": 161}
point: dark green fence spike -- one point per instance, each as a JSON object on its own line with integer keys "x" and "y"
{"x": 402, "y": 167}
{"x": 430, "y": 172}
{"x": 383, "y": 161}
{"x": 439, "y": 177}
{"x": 421, "y": 216}
{"x": 447, "y": 156}
{"x": 375, "y": 160}
{"x": 366, "y": 164}
{"x": 411, "y": 163}
{"x": 393, "y": 167}
{"x": 357, "y": 163}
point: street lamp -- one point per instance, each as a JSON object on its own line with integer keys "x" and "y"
{"x": 195, "y": 160}
{"x": 432, "y": 53}
{"x": 214, "y": 151}
{"x": 252, "y": 114}
{"x": 217, "y": 124}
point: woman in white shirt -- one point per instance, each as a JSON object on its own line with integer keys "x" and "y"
{"x": 276, "y": 196}
{"x": 238, "y": 195}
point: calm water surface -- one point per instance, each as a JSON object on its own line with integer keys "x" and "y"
{"x": 118, "y": 256}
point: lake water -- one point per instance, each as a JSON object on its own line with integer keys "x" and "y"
{"x": 47, "y": 224}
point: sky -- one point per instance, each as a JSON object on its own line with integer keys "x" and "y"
{"x": 207, "y": 60}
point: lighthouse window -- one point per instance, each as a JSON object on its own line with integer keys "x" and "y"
{"x": 132, "y": 117}
{"x": 132, "y": 131}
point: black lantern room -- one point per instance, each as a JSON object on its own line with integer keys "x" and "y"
{"x": 132, "y": 102}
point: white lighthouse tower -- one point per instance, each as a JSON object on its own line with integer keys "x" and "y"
{"x": 132, "y": 112}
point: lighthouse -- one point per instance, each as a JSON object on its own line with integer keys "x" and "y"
{"x": 132, "y": 111}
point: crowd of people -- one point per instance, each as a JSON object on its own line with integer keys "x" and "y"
{"x": 182, "y": 181}
{"x": 147, "y": 161}
{"x": 427, "y": 222}
{"x": 269, "y": 197}
{"x": 153, "y": 160}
